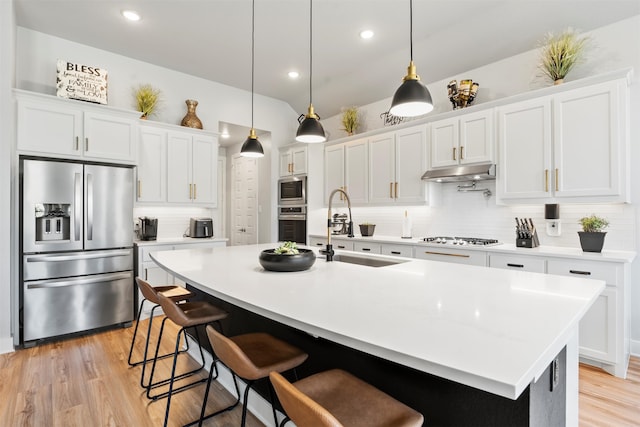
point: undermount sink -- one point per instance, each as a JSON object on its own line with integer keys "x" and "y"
{"x": 368, "y": 261}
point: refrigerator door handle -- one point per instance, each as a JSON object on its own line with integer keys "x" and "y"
{"x": 77, "y": 208}
{"x": 75, "y": 257}
{"x": 55, "y": 283}
{"x": 89, "y": 206}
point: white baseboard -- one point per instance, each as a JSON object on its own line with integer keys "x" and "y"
{"x": 6, "y": 345}
{"x": 258, "y": 406}
{"x": 635, "y": 348}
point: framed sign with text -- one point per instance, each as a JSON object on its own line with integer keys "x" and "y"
{"x": 83, "y": 82}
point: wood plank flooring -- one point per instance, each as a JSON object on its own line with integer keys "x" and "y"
{"x": 86, "y": 381}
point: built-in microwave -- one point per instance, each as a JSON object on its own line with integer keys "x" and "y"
{"x": 292, "y": 190}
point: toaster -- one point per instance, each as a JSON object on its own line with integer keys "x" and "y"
{"x": 201, "y": 227}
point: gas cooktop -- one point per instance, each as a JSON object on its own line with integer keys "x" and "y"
{"x": 461, "y": 241}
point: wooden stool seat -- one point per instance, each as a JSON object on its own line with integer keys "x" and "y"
{"x": 174, "y": 292}
{"x": 336, "y": 398}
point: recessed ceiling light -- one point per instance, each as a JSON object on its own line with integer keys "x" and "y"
{"x": 293, "y": 74}
{"x": 131, "y": 15}
{"x": 366, "y": 34}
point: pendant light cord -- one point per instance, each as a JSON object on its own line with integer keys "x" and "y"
{"x": 310, "y": 50}
{"x": 411, "y": 28}
{"x": 253, "y": 30}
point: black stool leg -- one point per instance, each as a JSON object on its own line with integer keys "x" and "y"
{"x": 244, "y": 407}
{"x": 135, "y": 333}
{"x": 155, "y": 359}
{"x": 206, "y": 397}
{"x": 173, "y": 373}
{"x": 273, "y": 408}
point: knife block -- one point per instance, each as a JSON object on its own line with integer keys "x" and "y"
{"x": 533, "y": 242}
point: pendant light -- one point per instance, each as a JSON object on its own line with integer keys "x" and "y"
{"x": 252, "y": 147}
{"x": 412, "y": 97}
{"x": 310, "y": 129}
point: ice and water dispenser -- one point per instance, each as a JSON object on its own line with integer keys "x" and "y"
{"x": 53, "y": 221}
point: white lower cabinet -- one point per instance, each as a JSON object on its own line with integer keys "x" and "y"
{"x": 458, "y": 256}
{"x": 397, "y": 250}
{"x": 514, "y": 262}
{"x": 604, "y": 330}
{"x": 342, "y": 245}
{"x": 367, "y": 247}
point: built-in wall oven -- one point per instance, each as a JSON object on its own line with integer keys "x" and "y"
{"x": 292, "y": 190}
{"x": 292, "y": 224}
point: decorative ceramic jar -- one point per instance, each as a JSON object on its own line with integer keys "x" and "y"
{"x": 191, "y": 120}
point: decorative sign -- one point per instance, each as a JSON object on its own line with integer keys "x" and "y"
{"x": 389, "y": 119}
{"x": 77, "y": 81}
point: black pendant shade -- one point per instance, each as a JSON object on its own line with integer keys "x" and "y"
{"x": 251, "y": 146}
{"x": 412, "y": 97}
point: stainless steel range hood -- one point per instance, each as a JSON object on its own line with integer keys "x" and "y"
{"x": 461, "y": 173}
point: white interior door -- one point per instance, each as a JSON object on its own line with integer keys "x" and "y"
{"x": 244, "y": 201}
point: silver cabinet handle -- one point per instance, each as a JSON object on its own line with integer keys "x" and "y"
{"x": 76, "y": 257}
{"x": 55, "y": 283}
{"x": 86, "y": 144}
{"x": 89, "y": 206}
{"x": 77, "y": 208}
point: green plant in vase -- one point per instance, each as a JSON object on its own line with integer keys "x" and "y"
{"x": 350, "y": 120}
{"x": 592, "y": 236}
{"x": 147, "y": 99}
{"x": 560, "y": 53}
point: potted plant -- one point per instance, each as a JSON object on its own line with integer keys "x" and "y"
{"x": 367, "y": 229}
{"x": 559, "y": 53}
{"x": 592, "y": 236}
{"x": 350, "y": 120}
{"x": 147, "y": 98}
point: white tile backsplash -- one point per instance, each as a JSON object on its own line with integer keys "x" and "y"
{"x": 472, "y": 214}
{"x": 174, "y": 221}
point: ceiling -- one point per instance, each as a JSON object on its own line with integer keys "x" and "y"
{"x": 212, "y": 38}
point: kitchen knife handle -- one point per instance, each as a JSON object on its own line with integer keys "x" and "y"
{"x": 139, "y": 187}
{"x": 396, "y": 189}
{"x": 454, "y": 153}
{"x": 391, "y": 190}
{"x": 546, "y": 180}
{"x": 462, "y": 152}
{"x": 556, "y": 179}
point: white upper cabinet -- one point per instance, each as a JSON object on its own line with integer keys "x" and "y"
{"x": 397, "y": 161}
{"x": 346, "y": 169}
{"x": 570, "y": 146}
{"x": 151, "y": 185}
{"x": 465, "y": 139}
{"x": 293, "y": 160}
{"x": 74, "y": 129}
{"x": 192, "y": 161}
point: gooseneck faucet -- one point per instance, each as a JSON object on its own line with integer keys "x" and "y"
{"x": 329, "y": 250}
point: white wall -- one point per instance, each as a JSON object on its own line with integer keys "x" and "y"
{"x": 7, "y": 53}
{"x": 615, "y": 47}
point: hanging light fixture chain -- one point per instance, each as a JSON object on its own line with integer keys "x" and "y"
{"x": 253, "y": 31}
{"x": 411, "y": 29}
{"x": 310, "y": 50}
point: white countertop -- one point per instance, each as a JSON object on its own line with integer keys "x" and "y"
{"x": 179, "y": 241}
{"x": 492, "y": 329}
{"x": 547, "y": 251}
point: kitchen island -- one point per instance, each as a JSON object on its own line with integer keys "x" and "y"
{"x": 492, "y": 338}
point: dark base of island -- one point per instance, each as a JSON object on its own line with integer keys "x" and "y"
{"x": 442, "y": 402}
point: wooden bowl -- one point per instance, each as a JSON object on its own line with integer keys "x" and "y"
{"x": 286, "y": 262}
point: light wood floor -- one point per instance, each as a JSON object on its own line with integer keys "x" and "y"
{"x": 86, "y": 381}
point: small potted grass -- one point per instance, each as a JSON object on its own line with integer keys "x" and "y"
{"x": 592, "y": 236}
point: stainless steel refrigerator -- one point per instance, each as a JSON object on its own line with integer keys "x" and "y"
{"x": 77, "y": 247}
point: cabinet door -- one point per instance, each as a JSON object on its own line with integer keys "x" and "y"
{"x": 285, "y": 163}
{"x": 517, "y": 262}
{"x": 152, "y": 166}
{"x": 476, "y": 137}
{"x": 47, "y": 128}
{"x": 299, "y": 160}
{"x": 524, "y": 137}
{"x": 333, "y": 171}
{"x": 588, "y": 142}
{"x": 382, "y": 177}
{"x": 444, "y": 143}
{"x": 367, "y": 247}
{"x": 397, "y": 250}
{"x": 410, "y": 164}
{"x": 204, "y": 170}
{"x": 598, "y": 328}
{"x": 356, "y": 173}
{"x": 109, "y": 137}
{"x": 179, "y": 186}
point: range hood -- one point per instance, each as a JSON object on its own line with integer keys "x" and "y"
{"x": 461, "y": 173}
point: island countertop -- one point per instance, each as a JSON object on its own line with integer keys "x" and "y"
{"x": 492, "y": 329}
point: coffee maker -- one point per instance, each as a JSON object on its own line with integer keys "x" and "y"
{"x": 148, "y": 228}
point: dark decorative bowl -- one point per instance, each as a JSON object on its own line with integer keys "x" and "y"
{"x": 283, "y": 262}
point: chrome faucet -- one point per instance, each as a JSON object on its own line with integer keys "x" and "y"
{"x": 329, "y": 250}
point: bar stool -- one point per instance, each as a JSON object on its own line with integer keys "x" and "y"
{"x": 250, "y": 357}
{"x": 176, "y": 293}
{"x": 185, "y": 315}
{"x": 336, "y": 398}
